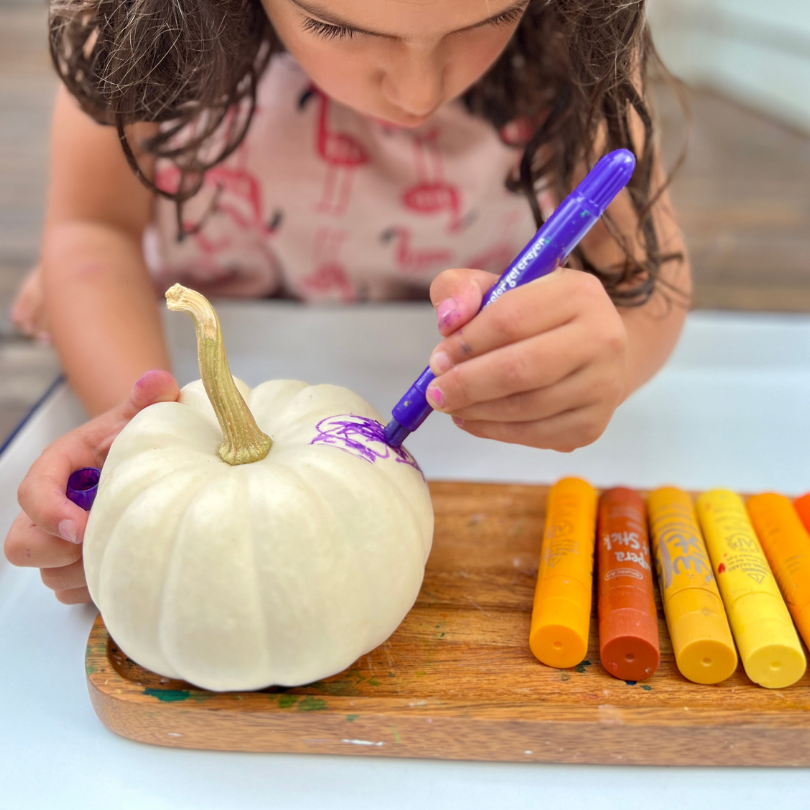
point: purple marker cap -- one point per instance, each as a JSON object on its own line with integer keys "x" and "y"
{"x": 82, "y": 487}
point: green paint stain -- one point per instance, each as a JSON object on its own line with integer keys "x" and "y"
{"x": 646, "y": 688}
{"x": 564, "y": 676}
{"x": 373, "y": 682}
{"x": 397, "y": 740}
{"x": 581, "y": 667}
{"x": 90, "y": 669}
{"x": 392, "y": 675}
{"x": 168, "y": 695}
{"x": 352, "y": 717}
{"x": 343, "y": 688}
{"x": 441, "y": 635}
{"x": 421, "y": 673}
{"x": 311, "y": 704}
{"x": 285, "y": 701}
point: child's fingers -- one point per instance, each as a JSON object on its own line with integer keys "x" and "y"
{"x": 154, "y": 386}
{"x": 42, "y": 492}
{"x": 457, "y": 296}
{"x": 545, "y": 304}
{"x": 578, "y": 389}
{"x": 526, "y": 366}
{"x": 563, "y": 432}
{"x": 74, "y": 596}
{"x": 28, "y": 546}
{"x": 65, "y": 578}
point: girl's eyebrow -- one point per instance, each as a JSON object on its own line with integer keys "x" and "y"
{"x": 340, "y": 22}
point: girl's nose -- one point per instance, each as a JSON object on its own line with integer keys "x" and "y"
{"x": 415, "y": 84}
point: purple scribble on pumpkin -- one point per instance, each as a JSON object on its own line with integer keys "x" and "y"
{"x": 362, "y": 437}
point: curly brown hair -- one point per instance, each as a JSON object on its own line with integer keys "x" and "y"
{"x": 576, "y": 70}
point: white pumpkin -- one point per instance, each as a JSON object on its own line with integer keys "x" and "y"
{"x": 278, "y": 571}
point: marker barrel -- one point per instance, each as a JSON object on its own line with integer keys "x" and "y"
{"x": 561, "y": 615}
{"x": 786, "y": 544}
{"x": 628, "y": 620}
{"x": 769, "y": 646}
{"x": 697, "y": 622}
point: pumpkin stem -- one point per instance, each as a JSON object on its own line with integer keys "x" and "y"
{"x": 243, "y": 442}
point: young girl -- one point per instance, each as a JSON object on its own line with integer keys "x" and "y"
{"x": 349, "y": 150}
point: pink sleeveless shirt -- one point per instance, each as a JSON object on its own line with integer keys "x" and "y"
{"x": 325, "y": 204}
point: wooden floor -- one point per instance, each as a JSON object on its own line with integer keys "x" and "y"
{"x": 743, "y": 200}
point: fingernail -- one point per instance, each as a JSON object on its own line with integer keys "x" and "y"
{"x": 446, "y": 310}
{"x": 67, "y": 529}
{"x": 435, "y": 395}
{"x": 439, "y": 363}
{"x": 458, "y": 421}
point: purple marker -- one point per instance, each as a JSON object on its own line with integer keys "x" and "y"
{"x": 549, "y": 249}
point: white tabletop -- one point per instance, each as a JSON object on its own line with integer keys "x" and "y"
{"x": 731, "y": 409}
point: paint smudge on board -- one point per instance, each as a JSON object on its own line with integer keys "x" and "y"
{"x": 168, "y": 695}
{"x": 311, "y": 704}
{"x": 361, "y": 437}
{"x": 581, "y": 666}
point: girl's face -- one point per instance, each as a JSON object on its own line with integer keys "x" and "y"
{"x": 395, "y": 60}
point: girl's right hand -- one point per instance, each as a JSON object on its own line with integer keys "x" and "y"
{"x": 48, "y": 533}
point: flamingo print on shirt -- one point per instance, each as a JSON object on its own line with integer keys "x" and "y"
{"x": 342, "y": 154}
{"x": 432, "y": 194}
{"x": 412, "y": 260}
{"x": 342, "y": 181}
{"x": 233, "y": 257}
{"x": 329, "y": 279}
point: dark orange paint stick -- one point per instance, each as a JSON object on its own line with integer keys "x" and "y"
{"x": 628, "y": 620}
{"x": 802, "y": 506}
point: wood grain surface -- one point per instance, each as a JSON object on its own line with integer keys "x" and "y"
{"x": 457, "y": 679}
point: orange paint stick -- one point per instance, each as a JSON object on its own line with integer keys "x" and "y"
{"x": 802, "y": 506}
{"x": 628, "y": 619}
{"x": 561, "y": 616}
{"x": 786, "y": 544}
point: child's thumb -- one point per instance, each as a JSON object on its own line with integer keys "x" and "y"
{"x": 154, "y": 386}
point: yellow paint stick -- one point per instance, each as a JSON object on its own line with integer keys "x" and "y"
{"x": 698, "y": 627}
{"x": 561, "y": 616}
{"x": 769, "y": 647}
{"x": 786, "y": 544}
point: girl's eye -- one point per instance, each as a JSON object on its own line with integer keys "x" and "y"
{"x": 513, "y": 15}
{"x": 326, "y": 31}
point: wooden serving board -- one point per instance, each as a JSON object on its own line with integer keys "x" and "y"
{"x": 457, "y": 680}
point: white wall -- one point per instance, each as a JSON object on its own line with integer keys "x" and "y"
{"x": 757, "y": 51}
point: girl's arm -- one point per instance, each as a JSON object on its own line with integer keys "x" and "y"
{"x": 100, "y": 301}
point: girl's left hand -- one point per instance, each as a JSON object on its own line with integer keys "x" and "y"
{"x": 543, "y": 366}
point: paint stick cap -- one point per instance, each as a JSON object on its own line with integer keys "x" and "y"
{"x": 558, "y": 644}
{"x": 701, "y": 636}
{"x": 628, "y": 644}
{"x": 770, "y": 648}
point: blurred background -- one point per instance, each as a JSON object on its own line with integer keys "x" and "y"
{"x": 742, "y": 196}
